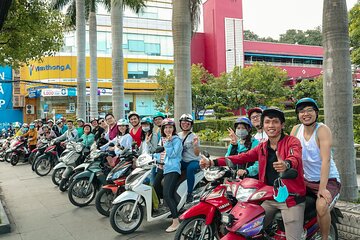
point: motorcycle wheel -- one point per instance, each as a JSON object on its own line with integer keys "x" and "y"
{"x": 64, "y": 184}
{"x": 103, "y": 201}
{"x": 333, "y": 235}
{"x": 192, "y": 228}
{"x": 2, "y": 159}
{"x": 14, "y": 159}
{"x": 56, "y": 176}
{"x": 77, "y": 192}
{"x": 7, "y": 157}
{"x": 119, "y": 217}
{"x": 43, "y": 166}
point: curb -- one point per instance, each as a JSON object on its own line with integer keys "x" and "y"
{"x": 5, "y": 223}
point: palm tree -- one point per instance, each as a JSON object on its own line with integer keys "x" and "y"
{"x": 80, "y": 43}
{"x": 337, "y": 86}
{"x": 117, "y": 52}
{"x": 184, "y": 21}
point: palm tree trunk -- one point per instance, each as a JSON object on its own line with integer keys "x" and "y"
{"x": 181, "y": 26}
{"x": 93, "y": 62}
{"x": 80, "y": 42}
{"x": 338, "y": 93}
{"x": 117, "y": 58}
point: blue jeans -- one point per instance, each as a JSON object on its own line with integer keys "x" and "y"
{"x": 191, "y": 168}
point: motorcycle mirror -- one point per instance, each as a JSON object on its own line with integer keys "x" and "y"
{"x": 229, "y": 163}
{"x": 159, "y": 149}
{"x": 205, "y": 153}
{"x": 289, "y": 174}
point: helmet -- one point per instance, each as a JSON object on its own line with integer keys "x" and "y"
{"x": 187, "y": 118}
{"x": 80, "y": 120}
{"x": 242, "y": 120}
{"x": 4, "y": 130}
{"x": 132, "y": 113}
{"x": 167, "y": 121}
{"x": 93, "y": 119}
{"x": 123, "y": 122}
{"x": 306, "y": 102}
{"x": 50, "y": 120}
{"x": 58, "y": 121}
{"x": 17, "y": 125}
{"x": 273, "y": 112}
{"x": 25, "y": 125}
{"x": 36, "y": 120}
{"x": 146, "y": 120}
{"x": 32, "y": 124}
{"x": 255, "y": 109}
{"x": 87, "y": 125}
{"x": 159, "y": 114}
{"x": 45, "y": 126}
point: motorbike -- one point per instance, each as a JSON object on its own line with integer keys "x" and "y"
{"x": 115, "y": 182}
{"x": 38, "y": 151}
{"x": 8, "y": 150}
{"x": 19, "y": 152}
{"x": 73, "y": 155}
{"x": 202, "y": 221}
{"x": 85, "y": 184}
{"x": 49, "y": 159}
{"x": 127, "y": 212}
{"x": 246, "y": 219}
{"x": 4, "y": 146}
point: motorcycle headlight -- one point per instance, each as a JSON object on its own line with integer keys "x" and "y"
{"x": 243, "y": 194}
{"x": 78, "y": 147}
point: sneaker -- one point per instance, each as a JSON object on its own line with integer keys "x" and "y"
{"x": 189, "y": 198}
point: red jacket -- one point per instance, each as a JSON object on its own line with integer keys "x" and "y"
{"x": 289, "y": 148}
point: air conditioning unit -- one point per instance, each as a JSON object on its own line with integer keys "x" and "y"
{"x": 29, "y": 109}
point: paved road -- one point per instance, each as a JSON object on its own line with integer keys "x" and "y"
{"x": 38, "y": 210}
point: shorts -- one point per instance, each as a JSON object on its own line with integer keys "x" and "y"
{"x": 333, "y": 186}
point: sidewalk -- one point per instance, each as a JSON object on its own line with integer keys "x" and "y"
{"x": 39, "y": 211}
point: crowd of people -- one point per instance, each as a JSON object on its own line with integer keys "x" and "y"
{"x": 258, "y": 145}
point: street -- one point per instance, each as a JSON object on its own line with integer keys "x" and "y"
{"x": 38, "y": 210}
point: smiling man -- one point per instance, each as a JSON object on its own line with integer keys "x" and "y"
{"x": 321, "y": 175}
{"x": 279, "y": 153}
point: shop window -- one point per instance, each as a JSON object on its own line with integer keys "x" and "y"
{"x": 152, "y": 49}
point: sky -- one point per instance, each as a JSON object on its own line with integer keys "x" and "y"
{"x": 270, "y": 18}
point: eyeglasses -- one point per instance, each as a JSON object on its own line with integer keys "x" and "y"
{"x": 107, "y": 119}
{"x": 309, "y": 111}
{"x": 253, "y": 117}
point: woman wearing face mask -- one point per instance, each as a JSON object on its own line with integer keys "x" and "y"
{"x": 32, "y": 136}
{"x": 241, "y": 141}
{"x": 149, "y": 141}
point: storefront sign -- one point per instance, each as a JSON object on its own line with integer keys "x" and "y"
{"x": 5, "y": 88}
{"x": 54, "y": 92}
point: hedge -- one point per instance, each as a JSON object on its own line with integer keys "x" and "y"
{"x": 223, "y": 125}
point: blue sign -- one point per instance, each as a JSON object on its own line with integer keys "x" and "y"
{"x": 71, "y": 92}
{"x": 46, "y": 108}
{"x": 10, "y": 116}
{"x": 5, "y": 88}
{"x": 35, "y": 93}
{"x": 57, "y": 116}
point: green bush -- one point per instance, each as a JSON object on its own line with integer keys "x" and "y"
{"x": 210, "y": 135}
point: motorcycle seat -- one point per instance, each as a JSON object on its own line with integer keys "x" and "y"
{"x": 310, "y": 208}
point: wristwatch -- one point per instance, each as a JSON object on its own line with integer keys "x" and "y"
{"x": 287, "y": 164}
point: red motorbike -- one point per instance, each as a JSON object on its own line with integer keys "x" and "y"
{"x": 49, "y": 159}
{"x": 20, "y": 151}
{"x": 246, "y": 219}
{"x": 202, "y": 221}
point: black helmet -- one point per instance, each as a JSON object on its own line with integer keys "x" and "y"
{"x": 273, "y": 112}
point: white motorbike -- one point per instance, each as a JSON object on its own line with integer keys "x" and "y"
{"x": 128, "y": 208}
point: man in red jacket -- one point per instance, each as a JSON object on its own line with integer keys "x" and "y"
{"x": 279, "y": 153}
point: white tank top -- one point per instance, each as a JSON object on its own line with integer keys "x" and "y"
{"x": 311, "y": 157}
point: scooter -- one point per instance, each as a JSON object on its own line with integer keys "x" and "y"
{"x": 127, "y": 212}
{"x": 203, "y": 220}
{"x": 38, "y": 151}
{"x": 20, "y": 151}
{"x": 246, "y": 219}
{"x": 49, "y": 159}
{"x": 115, "y": 182}
{"x": 4, "y": 147}
{"x": 84, "y": 186}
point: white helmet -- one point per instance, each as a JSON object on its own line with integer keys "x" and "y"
{"x": 187, "y": 118}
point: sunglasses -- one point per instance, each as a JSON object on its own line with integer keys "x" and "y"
{"x": 100, "y": 122}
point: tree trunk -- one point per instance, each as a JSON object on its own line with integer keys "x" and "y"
{"x": 181, "y": 26}
{"x": 117, "y": 59}
{"x": 338, "y": 93}
{"x": 80, "y": 42}
{"x": 94, "y": 113}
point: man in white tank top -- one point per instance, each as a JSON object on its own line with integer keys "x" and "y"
{"x": 320, "y": 172}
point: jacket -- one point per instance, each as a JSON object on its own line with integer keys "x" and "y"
{"x": 88, "y": 139}
{"x": 32, "y": 136}
{"x": 173, "y": 152}
{"x": 289, "y": 148}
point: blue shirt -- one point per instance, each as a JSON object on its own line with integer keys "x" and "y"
{"x": 173, "y": 152}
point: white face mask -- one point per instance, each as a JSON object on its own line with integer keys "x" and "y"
{"x": 241, "y": 133}
{"x": 146, "y": 129}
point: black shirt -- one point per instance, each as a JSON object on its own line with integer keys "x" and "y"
{"x": 271, "y": 174}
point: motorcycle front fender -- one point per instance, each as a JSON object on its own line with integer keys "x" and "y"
{"x": 84, "y": 174}
{"x": 202, "y": 208}
{"x": 127, "y": 195}
{"x": 59, "y": 165}
{"x": 232, "y": 236}
{"x": 114, "y": 188}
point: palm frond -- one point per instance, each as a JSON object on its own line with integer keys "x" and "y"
{"x": 195, "y": 14}
{"x": 59, "y": 4}
{"x": 136, "y": 5}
